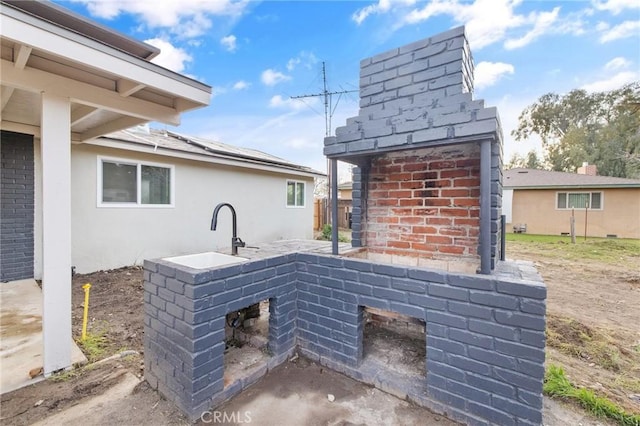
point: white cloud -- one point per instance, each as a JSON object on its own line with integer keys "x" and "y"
{"x": 186, "y": 18}
{"x": 611, "y": 83}
{"x": 301, "y": 143}
{"x": 305, "y": 59}
{"x": 617, "y": 63}
{"x": 510, "y": 108}
{"x": 170, "y": 56}
{"x": 542, "y": 24}
{"x": 217, "y": 91}
{"x": 278, "y": 101}
{"x": 382, "y": 6}
{"x": 229, "y": 43}
{"x": 488, "y": 73}
{"x": 241, "y": 85}
{"x": 623, "y": 30}
{"x": 271, "y": 77}
{"x": 486, "y": 21}
{"x": 616, "y": 6}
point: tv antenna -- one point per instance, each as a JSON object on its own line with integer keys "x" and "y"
{"x": 329, "y": 109}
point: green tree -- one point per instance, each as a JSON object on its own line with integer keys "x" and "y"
{"x": 529, "y": 161}
{"x": 601, "y": 128}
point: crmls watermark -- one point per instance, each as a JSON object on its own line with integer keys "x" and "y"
{"x": 237, "y": 417}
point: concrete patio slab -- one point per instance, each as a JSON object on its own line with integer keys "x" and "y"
{"x": 21, "y": 334}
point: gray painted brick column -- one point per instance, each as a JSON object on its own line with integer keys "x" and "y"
{"x": 16, "y": 206}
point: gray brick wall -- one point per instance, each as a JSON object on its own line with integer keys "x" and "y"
{"x": 184, "y": 325}
{"x": 484, "y": 334}
{"x": 415, "y": 96}
{"x": 16, "y": 206}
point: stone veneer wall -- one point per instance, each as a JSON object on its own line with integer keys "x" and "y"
{"x": 485, "y": 334}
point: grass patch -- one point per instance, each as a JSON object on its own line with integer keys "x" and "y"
{"x": 66, "y": 375}
{"x": 578, "y": 340}
{"x": 606, "y": 250}
{"x": 93, "y": 345}
{"x": 343, "y": 237}
{"x": 556, "y": 384}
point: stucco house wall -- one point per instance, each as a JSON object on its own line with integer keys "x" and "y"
{"x": 620, "y": 213}
{"x": 111, "y": 237}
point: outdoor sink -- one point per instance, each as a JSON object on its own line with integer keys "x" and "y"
{"x": 205, "y": 260}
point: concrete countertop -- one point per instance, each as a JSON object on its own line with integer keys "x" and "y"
{"x": 282, "y": 247}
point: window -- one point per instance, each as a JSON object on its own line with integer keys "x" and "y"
{"x": 124, "y": 183}
{"x": 579, "y": 200}
{"x": 295, "y": 194}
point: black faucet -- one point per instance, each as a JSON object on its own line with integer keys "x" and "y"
{"x": 235, "y": 240}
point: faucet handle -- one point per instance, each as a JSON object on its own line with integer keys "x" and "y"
{"x": 237, "y": 241}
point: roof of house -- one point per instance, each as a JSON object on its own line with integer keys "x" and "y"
{"x": 77, "y": 23}
{"x": 540, "y": 179}
{"x": 168, "y": 143}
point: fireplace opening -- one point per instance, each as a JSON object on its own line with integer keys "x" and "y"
{"x": 396, "y": 345}
{"x": 246, "y": 341}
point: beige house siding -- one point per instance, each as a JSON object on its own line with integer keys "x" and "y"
{"x": 620, "y": 213}
{"x": 345, "y": 194}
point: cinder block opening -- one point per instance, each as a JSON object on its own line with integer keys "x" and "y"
{"x": 396, "y": 343}
{"x": 246, "y": 341}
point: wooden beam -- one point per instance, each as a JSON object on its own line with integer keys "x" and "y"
{"x": 6, "y": 95}
{"x": 128, "y": 87}
{"x": 20, "y": 59}
{"x": 82, "y": 112}
{"x": 110, "y": 127}
{"x": 35, "y": 80}
{"x": 27, "y": 129}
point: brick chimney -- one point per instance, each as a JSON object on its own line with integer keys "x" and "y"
{"x": 588, "y": 169}
{"x": 422, "y": 145}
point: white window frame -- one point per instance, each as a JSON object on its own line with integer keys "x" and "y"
{"x": 138, "y": 204}
{"x": 581, "y": 192}
{"x": 304, "y": 198}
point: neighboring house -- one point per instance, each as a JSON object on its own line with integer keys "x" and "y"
{"x": 543, "y": 202}
{"x": 345, "y": 191}
{"x": 139, "y": 194}
{"x": 345, "y": 204}
{"x": 66, "y": 79}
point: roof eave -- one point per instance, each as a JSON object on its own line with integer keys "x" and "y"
{"x": 597, "y": 186}
{"x": 228, "y": 159}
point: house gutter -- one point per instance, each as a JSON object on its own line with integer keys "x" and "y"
{"x": 208, "y": 158}
{"x": 578, "y": 186}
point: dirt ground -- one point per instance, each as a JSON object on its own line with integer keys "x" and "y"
{"x": 593, "y": 333}
{"x": 593, "y": 318}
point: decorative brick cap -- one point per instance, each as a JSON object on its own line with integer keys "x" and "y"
{"x": 415, "y": 96}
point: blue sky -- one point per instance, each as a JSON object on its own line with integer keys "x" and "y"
{"x": 256, "y": 55}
